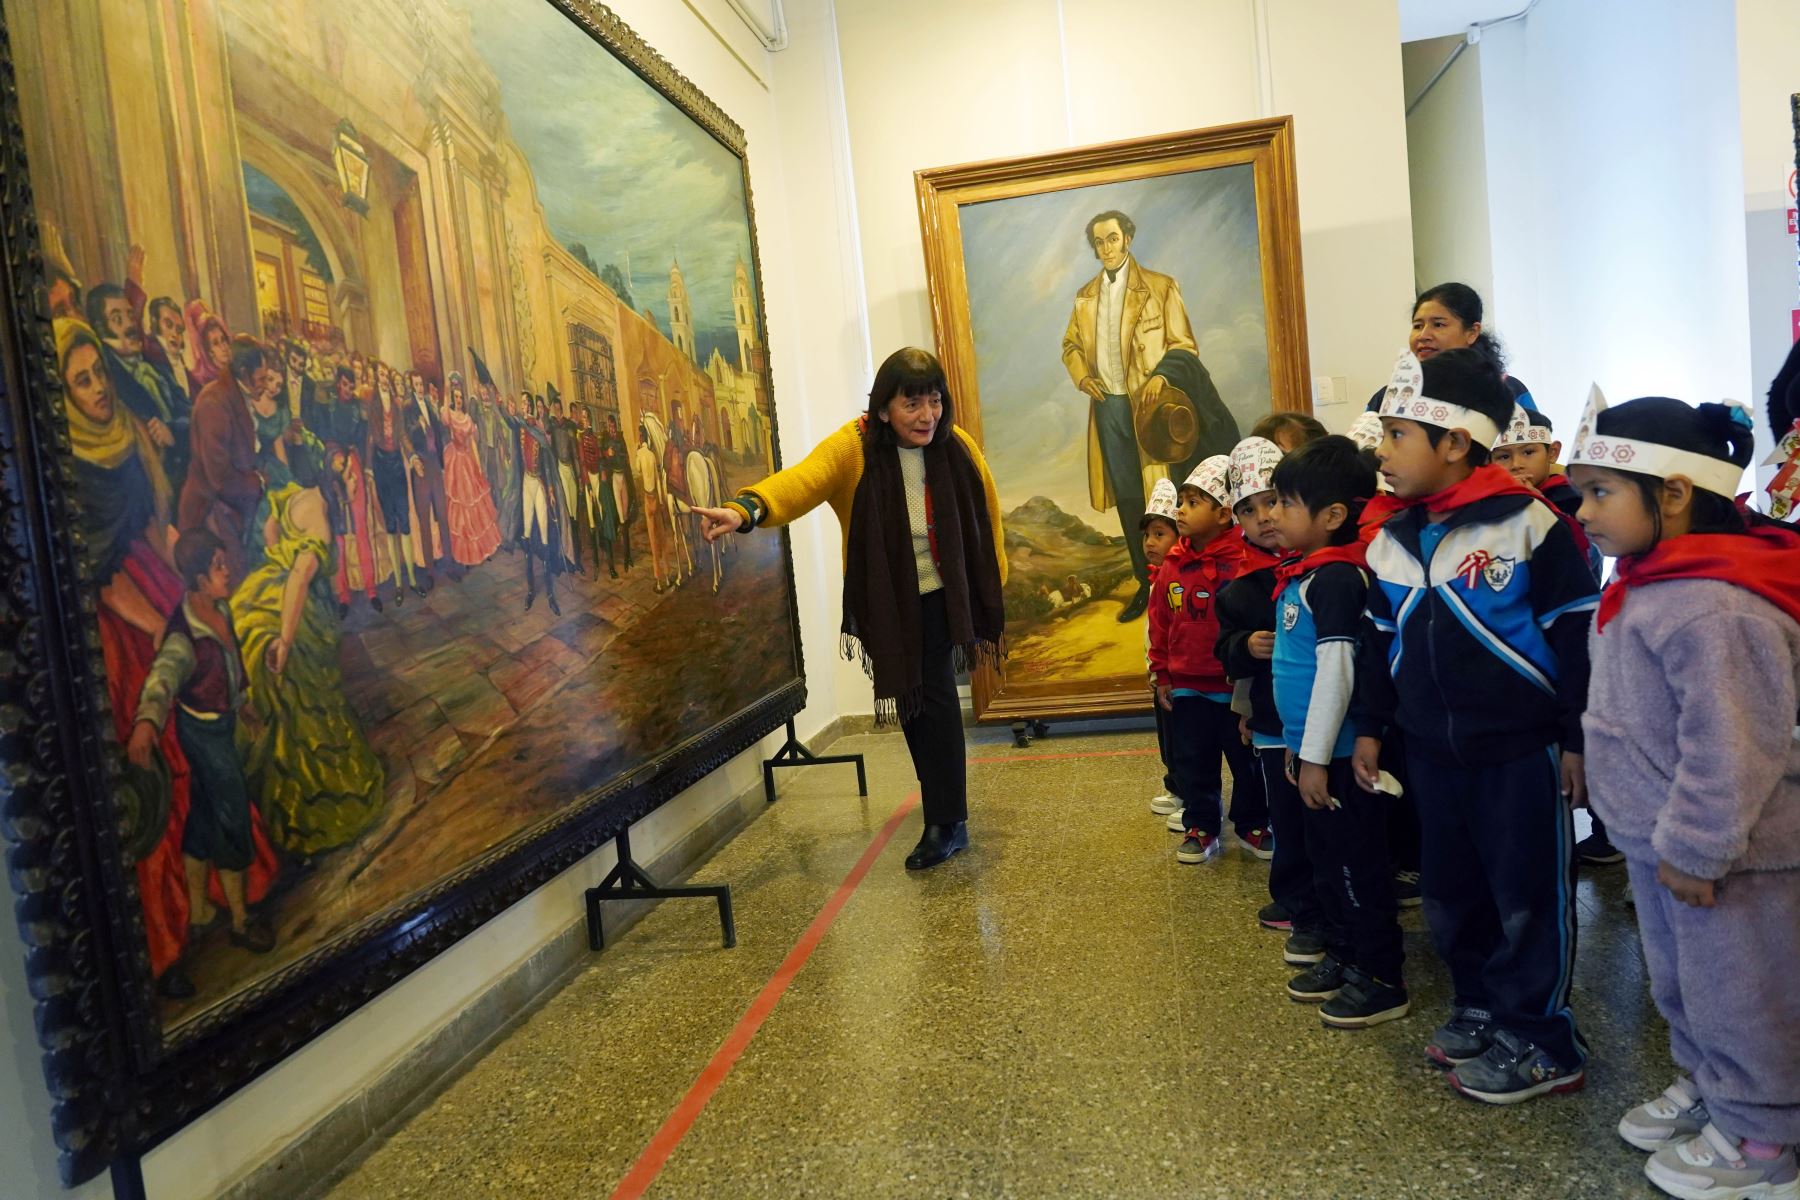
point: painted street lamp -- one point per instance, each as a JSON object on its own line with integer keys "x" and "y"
{"x": 352, "y": 167}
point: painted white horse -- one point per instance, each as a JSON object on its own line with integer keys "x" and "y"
{"x": 682, "y": 565}
{"x": 706, "y": 489}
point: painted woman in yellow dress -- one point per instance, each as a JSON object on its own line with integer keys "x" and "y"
{"x": 320, "y": 783}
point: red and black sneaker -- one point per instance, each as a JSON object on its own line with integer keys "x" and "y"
{"x": 1259, "y": 842}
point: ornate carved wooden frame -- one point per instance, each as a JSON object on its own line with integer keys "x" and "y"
{"x": 1268, "y": 146}
{"x": 118, "y": 1084}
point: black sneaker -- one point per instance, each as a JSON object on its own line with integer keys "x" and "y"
{"x": 1466, "y": 1035}
{"x": 1273, "y": 916}
{"x": 1406, "y": 889}
{"x": 1303, "y": 949}
{"x": 1514, "y": 1070}
{"x": 1318, "y": 984}
{"x": 1364, "y": 1001}
{"x": 1597, "y": 850}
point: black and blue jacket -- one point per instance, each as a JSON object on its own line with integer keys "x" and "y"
{"x": 1475, "y": 642}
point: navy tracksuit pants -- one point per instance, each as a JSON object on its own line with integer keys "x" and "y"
{"x": 1291, "y": 873}
{"x": 1498, "y": 874}
{"x": 1201, "y": 738}
{"x": 1352, "y": 878}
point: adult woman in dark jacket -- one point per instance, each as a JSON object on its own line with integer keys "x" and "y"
{"x": 924, "y": 563}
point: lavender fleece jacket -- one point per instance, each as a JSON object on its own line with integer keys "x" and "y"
{"x": 1692, "y": 754}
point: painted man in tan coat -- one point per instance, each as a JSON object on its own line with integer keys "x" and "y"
{"x": 1125, "y": 321}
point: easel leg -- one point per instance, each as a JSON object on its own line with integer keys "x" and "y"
{"x": 128, "y": 1178}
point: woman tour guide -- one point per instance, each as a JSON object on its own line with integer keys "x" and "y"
{"x": 924, "y": 563}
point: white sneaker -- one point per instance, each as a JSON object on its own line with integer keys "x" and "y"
{"x": 1711, "y": 1166}
{"x": 1176, "y": 822}
{"x": 1164, "y": 804}
{"x": 1675, "y": 1116}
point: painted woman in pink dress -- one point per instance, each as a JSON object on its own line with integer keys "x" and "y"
{"x": 474, "y": 524}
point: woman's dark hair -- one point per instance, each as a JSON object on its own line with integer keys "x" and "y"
{"x": 908, "y": 372}
{"x": 1276, "y": 422}
{"x": 1708, "y": 429}
{"x": 1469, "y": 378}
{"x": 1464, "y": 303}
{"x": 1329, "y": 471}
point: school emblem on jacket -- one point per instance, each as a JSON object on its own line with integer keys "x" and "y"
{"x": 1290, "y": 616}
{"x": 1482, "y": 566}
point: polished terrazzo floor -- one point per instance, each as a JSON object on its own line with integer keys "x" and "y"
{"x": 1062, "y": 1012}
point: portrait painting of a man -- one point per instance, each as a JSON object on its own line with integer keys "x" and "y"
{"x": 1108, "y": 328}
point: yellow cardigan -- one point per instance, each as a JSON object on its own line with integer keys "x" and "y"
{"x": 830, "y": 474}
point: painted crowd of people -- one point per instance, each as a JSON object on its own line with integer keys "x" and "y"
{"x": 238, "y": 495}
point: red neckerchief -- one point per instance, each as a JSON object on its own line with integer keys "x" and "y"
{"x": 1255, "y": 557}
{"x": 1580, "y": 535}
{"x": 1482, "y": 483}
{"x": 1764, "y": 561}
{"x": 1356, "y": 554}
{"x": 1224, "y": 552}
{"x": 1556, "y": 481}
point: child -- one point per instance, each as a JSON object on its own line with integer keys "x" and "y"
{"x": 1527, "y": 448}
{"x": 1157, "y": 526}
{"x": 1191, "y": 686}
{"x": 1696, "y": 677}
{"x": 199, "y": 674}
{"x": 1320, "y": 597}
{"x": 1403, "y": 817}
{"x": 1246, "y": 644}
{"x": 1476, "y": 649}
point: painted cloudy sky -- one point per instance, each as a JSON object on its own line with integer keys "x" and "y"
{"x": 619, "y": 167}
{"x": 1027, "y": 257}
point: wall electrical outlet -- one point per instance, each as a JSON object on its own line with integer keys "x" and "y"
{"x": 1329, "y": 389}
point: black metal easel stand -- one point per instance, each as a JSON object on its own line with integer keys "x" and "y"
{"x": 627, "y": 881}
{"x": 128, "y": 1178}
{"x": 794, "y": 754}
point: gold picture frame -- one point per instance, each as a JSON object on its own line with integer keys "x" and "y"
{"x": 992, "y": 231}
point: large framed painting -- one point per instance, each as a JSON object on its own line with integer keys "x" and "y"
{"x": 1108, "y": 317}
{"x": 364, "y": 360}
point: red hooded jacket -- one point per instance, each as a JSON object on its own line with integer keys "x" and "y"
{"x": 1184, "y": 617}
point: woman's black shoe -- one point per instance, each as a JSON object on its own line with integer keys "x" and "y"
{"x": 938, "y": 843}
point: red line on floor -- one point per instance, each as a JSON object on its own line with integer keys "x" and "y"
{"x": 650, "y": 1163}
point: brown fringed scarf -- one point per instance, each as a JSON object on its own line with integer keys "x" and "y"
{"x": 881, "y": 579}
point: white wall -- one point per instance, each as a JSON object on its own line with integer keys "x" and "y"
{"x": 817, "y": 357}
{"x": 1768, "y": 45}
{"x": 935, "y": 82}
{"x": 1615, "y": 184}
{"x": 1446, "y": 149}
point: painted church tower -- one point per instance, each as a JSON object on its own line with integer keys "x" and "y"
{"x": 744, "y": 314}
{"x": 681, "y": 314}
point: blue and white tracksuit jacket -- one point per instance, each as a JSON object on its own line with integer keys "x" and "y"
{"x": 1476, "y": 637}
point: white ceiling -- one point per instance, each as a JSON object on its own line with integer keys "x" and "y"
{"x": 1421, "y": 19}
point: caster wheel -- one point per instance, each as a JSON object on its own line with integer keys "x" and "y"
{"x": 1040, "y": 729}
{"x": 1021, "y": 732}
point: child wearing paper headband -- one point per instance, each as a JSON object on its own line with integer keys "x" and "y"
{"x": 1694, "y": 764}
{"x": 1476, "y": 649}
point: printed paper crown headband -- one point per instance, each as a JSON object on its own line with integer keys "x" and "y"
{"x": 1405, "y": 397}
{"x": 1716, "y": 475}
{"x": 1162, "y": 500}
{"x": 1521, "y": 432}
{"x": 1213, "y": 476}
{"x": 1252, "y": 463}
{"x": 1365, "y": 431}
